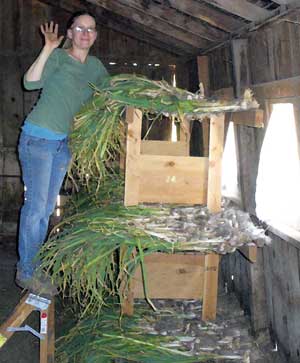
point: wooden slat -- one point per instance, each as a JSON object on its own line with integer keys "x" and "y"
{"x": 242, "y": 8}
{"x": 205, "y": 136}
{"x": 207, "y": 14}
{"x": 173, "y": 179}
{"x": 210, "y": 289}
{"x": 154, "y": 23}
{"x": 216, "y": 142}
{"x": 133, "y": 147}
{"x": 157, "y": 147}
{"x": 177, "y": 276}
{"x": 185, "y": 134}
{"x": 176, "y": 18}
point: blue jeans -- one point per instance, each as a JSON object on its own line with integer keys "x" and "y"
{"x": 44, "y": 164}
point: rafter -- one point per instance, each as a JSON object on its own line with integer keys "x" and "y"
{"x": 207, "y": 14}
{"x": 242, "y": 8}
{"x": 126, "y": 27}
{"x": 283, "y": 2}
{"x": 152, "y": 23}
{"x": 176, "y": 19}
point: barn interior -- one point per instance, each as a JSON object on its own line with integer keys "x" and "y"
{"x": 227, "y": 47}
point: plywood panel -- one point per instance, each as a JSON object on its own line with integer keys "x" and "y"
{"x": 176, "y": 179}
{"x": 175, "y": 276}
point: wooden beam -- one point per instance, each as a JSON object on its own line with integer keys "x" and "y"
{"x": 241, "y": 68}
{"x": 252, "y": 118}
{"x": 203, "y": 73}
{"x": 283, "y": 2}
{"x": 142, "y": 32}
{"x": 121, "y": 8}
{"x": 126, "y": 27}
{"x": 176, "y": 19}
{"x": 207, "y": 14}
{"x": 242, "y": 8}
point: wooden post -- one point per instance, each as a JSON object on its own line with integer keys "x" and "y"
{"x": 133, "y": 148}
{"x": 210, "y": 288}
{"x": 241, "y": 69}
{"x": 203, "y": 73}
{"x": 211, "y": 268}
{"x": 214, "y": 192}
{"x": 185, "y": 135}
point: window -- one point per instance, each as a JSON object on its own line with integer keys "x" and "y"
{"x": 230, "y": 185}
{"x": 278, "y": 180}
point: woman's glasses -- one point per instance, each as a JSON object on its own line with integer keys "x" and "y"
{"x": 81, "y": 29}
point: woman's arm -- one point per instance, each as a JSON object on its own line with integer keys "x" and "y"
{"x": 52, "y": 41}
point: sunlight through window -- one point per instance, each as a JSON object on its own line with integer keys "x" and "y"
{"x": 278, "y": 180}
{"x": 230, "y": 186}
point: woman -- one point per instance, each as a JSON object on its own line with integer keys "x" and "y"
{"x": 64, "y": 77}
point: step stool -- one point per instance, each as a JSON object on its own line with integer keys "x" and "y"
{"x": 29, "y": 303}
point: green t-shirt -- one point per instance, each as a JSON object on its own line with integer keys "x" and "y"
{"x": 65, "y": 88}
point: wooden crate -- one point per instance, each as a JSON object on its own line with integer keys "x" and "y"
{"x": 162, "y": 171}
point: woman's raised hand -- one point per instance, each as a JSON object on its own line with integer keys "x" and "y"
{"x": 50, "y": 32}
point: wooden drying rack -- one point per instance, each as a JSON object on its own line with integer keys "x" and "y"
{"x": 163, "y": 172}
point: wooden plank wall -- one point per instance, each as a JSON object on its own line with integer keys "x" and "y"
{"x": 270, "y": 289}
{"x": 20, "y": 44}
